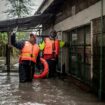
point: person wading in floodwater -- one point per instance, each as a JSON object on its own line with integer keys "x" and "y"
{"x": 28, "y": 57}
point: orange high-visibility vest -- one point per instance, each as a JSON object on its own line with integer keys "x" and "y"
{"x": 51, "y": 47}
{"x": 29, "y": 52}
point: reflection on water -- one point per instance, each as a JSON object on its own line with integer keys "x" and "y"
{"x": 42, "y": 92}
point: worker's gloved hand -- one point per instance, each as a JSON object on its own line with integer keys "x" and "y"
{"x": 14, "y": 30}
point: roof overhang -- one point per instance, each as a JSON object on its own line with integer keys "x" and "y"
{"x": 24, "y": 23}
{"x": 45, "y": 4}
{"x": 50, "y": 6}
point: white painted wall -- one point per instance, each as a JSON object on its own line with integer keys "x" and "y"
{"x": 81, "y": 18}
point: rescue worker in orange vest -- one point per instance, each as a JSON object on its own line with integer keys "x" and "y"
{"x": 51, "y": 52}
{"x": 28, "y": 57}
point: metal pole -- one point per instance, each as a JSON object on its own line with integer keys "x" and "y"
{"x": 91, "y": 71}
{"x": 39, "y": 32}
{"x": 101, "y": 52}
{"x": 61, "y": 54}
{"x": 84, "y": 61}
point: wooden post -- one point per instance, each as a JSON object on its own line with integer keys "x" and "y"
{"x": 8, "y": 47}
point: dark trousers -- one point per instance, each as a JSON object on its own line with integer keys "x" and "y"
{"x": 52, "y": 68}
{"x": 26, "y": 71}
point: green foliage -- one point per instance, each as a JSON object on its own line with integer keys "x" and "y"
{"x": 19, "y": 36}
{"x": 3, "y": 41}
{"x": 3, "y": 38}
{"x": 20, "y": 8}
{"x": 22, "y": 36}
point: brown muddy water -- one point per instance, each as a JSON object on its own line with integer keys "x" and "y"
{"x": 42, "y": 92}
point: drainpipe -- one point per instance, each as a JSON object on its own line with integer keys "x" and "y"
{"x": 101, "y": 52}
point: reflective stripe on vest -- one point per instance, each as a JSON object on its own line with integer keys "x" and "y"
{"x": 51, "y": 46}
{"x": 28, "y": 55}
{"x": 29, "y": 52}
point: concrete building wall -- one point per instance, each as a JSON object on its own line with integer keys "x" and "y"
{"x": 72, "y": 7}
{"x": 81, "y": 18}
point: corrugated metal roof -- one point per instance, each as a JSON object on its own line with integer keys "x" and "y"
{"x": 24, "y": 23}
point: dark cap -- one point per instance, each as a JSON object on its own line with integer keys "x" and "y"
{"x": 53, "y": 34}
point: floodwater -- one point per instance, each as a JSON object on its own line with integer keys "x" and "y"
{"x": 42, "y": 92}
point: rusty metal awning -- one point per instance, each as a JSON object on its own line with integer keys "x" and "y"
{"x": 24, "y": 23}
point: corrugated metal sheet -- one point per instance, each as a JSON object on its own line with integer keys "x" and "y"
{"x": 24, "y": 23}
